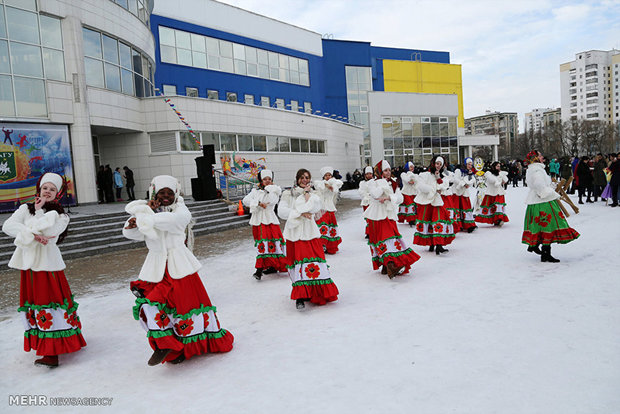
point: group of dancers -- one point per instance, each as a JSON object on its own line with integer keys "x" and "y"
{"x": 172, "y": 304}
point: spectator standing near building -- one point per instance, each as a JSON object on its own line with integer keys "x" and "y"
{"x": 554, "y": 168}
{"x": 129, "y": 183}
{"x": 584, "y": 177}
{"x": 614, "y": 183}
{"x": 118, "y": 183}
{"x": 108, "y": 184}
{"x": 100, "y": 185}
{"x": 599, "y": 180}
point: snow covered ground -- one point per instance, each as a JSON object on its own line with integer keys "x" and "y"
{"x": 486, "y": 328}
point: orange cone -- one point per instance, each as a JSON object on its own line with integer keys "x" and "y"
{"x": 240, "y": 211}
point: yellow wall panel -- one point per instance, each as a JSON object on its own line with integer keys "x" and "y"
{"x": 424, "y": 77}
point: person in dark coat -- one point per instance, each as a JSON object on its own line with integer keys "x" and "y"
{"x": 108, "y": 184}
{"x": 599, "y": 180}
{"x": 614, "y": 183}
{"x": 584, "y": 177}
{"x": 129, "y": 183}
{"x": 100, "y": 181}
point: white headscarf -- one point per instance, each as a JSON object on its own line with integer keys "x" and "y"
{"x": 326, "y": 170}
{"x": 164, "y": 181}
{"x": 51, "y": 178}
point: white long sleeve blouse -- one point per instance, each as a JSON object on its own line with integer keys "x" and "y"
{"x": 388, "y": 209}
{"x": 292, "y": 205}
{"x": 495, "y": 183}
{"x": 363, "y": 192}
{"x": 269, "y": 196}
{"x": 460, "y": 181}
{"x": 429, "y": 190}
{"x": 327, "y": 196}
{"x": 408, "y": 188}
{"x": 30, "y": 254}
{"x": 539, "y": 184}
{"x": 164, "y": 235}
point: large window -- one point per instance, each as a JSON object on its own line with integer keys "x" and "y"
{"x": 189, "y": 49}
{"x": 138, "y": 8}
{"x": 31, "y": 51}
{"x": 359, "y": 83}
{"x": 418, "y": 138}
{"x": 115, "y": 65}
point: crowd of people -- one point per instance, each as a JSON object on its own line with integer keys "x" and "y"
{"x": 172, "y": 304}
{"x": 110, "y": 184}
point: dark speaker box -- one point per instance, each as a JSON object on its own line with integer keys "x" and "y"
{"x": 199, "y": 192}
{"x": 204, "y": 169}
{"x": 208, "y": 151}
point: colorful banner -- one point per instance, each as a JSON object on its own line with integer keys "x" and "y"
{"x": 237, "y": 166}
{"x": 28, "y": 151}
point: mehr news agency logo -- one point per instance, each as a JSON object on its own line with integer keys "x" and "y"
{"x": 44, "y": 400}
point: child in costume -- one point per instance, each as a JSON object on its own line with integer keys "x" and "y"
{"x": 306, "y": 263}
{"x": 433, "y": 225}
{"x": 493, "y": 206}
{"x": 387, "y": 247}
{"x": 172, "y": 304}
{"x": 407, "y": 209}
{"x": 465, "y": 178}
{"x": 49, "y": 312}
{"x": 270, "y": 245}
{"x": 327, "y": 189}
{"x": 544, "y": 221}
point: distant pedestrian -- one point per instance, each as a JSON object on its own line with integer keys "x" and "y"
{"x": 554, "y": 168}
{"x": 129, "y": 183}
{"x": 100, "y": 185}
{"x": 118, "y": 183}
{"x": 108, "y": 184}
{"x": 584, "y": 179}
{"x": 614, "y": 183}
{"x": 599, "y": 179}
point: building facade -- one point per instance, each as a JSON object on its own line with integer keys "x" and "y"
{"x": 534, "y": 120}
{"x": 503, "y": 124}
{"x": 550, "y": 118}
{"x": 589, "y": 86}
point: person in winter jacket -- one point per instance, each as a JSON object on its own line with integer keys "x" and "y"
{"x": 407, "y": 210}
{"x": 306, "y": 262}
{"x": 599, "y": 180}
{"x": 554, "y": 168}
{"x": 118, "y": 183}
{"x": 387, "y": 247}
{"x": 493, "y": 206}
{"x": 584, "y": 176}
{"x": 544, "y": 221}
{"x": 327, "y": 189}
{"x": 172, "y": 304}
{"x": 614, "y": 183}
{"x": 46, "y": 303}
{"x": 268, "y": 239}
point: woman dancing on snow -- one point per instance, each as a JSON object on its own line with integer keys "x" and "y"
{"x": 433, "y": 225}
{"x": 387, "y": 247}
{"x": 327, "y": 190}
{"x": 45, "y": 299}
{"x": 172, "y": 304}
{"x": 407, "y": 210}
{"x": 364, "y": 194}
{"x": 544, "y": 221}
{"x": 306, "y": 263}
{"x": 493, "y": 206}
{"x": 465, "y": 178}
{"x": 270, "y": 245}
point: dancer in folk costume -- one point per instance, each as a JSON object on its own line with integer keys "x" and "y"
{"x": 364, "y": 194}
{"x": 493, "y": 207}
{"x": 465, "y": 178}
{"x": 387, "y": 247}
{"x": 544, "y": 221}
{"x": 172, "y": 304}
{"x": 433, "y": 225}
{"x": 49, "y": 312}
{"x": 268, "y": 239}
{"x": 407, "y": 209}
{"x": 306, "y": 263}
{"x": 447, "y": 195}
{"x": 327, "y": 189}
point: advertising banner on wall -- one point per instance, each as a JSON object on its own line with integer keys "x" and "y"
{"x": 28, "y": 151}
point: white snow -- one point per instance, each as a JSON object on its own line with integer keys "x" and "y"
{"x": 486, "y": 328}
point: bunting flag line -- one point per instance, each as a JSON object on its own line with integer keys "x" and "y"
{"x": 181, "y": 118}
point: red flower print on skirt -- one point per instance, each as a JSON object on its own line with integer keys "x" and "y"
{"x": 397, "y": 245}
{"x": 312, "y": 271}
{"x": 73, "y": 320}
{"x": 561, "y": 214}
{"x": 438, "y": 228}
{"x": 44, "y": 319}
{"x": 205, "y": 317}
{"x": 30, "y": 316}
{"x": 419, "y": 227}
{"x": 261, "y": 248}
{"x": 493, "y": 209}
{"x": 381, "y": 249}
{"x": 332, "y": 233}
{"x": 485, "y": 211}
{"x": 323, "y": 230}
{"x": 542, "y": 219}
{"x": 184, "y": 327}
{"x": 162, "y": 319}
{"x": 271, "y": 246}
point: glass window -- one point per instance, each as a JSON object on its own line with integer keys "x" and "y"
{"x": 184, "y": 57}
{"x": 51, "y": 35}
{"x": 125, "y": 53}
{"x": 226, "y": 64}
{"x": 280, "y": 103}
{"x": 182, "y": 39}
{"x": 294, "y": 106}
{"x": 321, "y": 147}
{"x": 213, "y": 46}
{"x": 212, "y": 94}
{"x": 7, "y": 106}
{"x": 92, "y": 43}
{"x": 112, "y": 77}
{"x": 248, "y": 99}
{"x": 94, "y": 72}
{"x": 170, "y": 90}
{"x": 263, "y": 71}
{"x": 2, "y": 25}
{"x": 264, "y": 101}
{"x": 188, "y": 142}
{"x": 199, "y": 60}
{"x": 54, "y": 64}
{"x": 295, "y": 145}
{"x": 260, "y": 143}
{"x": 22, "y": 25}
{"x": 26, "y": 60}
{"x": 214, "y": 62}
{"x": 273, "y": 60}
{"x": 250, "y": 55}
{"x": 133, "y": 7}
{"x": 211, "y": 138}
{"x": 122, "y": 3}
{"x": 245, "y": 142}
{"x": 238, "y": 51}
{"x": 127, "y": 81}
{"x": 304, "y": 79}
{"x": 240, "y": 67}
{"x": 283, "y": 61}
{"x": 294, "y": 63}
{"x": 110, "y": 49}
{"x": 252, "y": 69}
{"x": 231, "y": 97}
{"x": 308, "y": 107}
{"x": 168, "y": 54}
{"x": 272, "y": 144}
{"x": 30, "y": 97}
{"x": 314, "y": 146}
{"x": 24, "y": 4}
{"x": 304, "y": 146}
{"x": 5, "y": 66}
{"x": 284, "y": 144}
{"x": 198, "y": 43}
{"x": 228, "y": 142}
{"x": 191, "y": 92}
{"x": 226, "y": 49}
{"x": 303, "y": 65}
{"x": 263, "y": 57}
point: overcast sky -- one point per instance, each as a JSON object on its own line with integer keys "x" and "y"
{"x": 510, "y": 50}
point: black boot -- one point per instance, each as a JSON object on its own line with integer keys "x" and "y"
{"x": 546, "y": 254}
{"x": 471, "y": 229}
{"x": 431, "y": 248}
{"x": 580, "y": 202}
{"x": 411, "y": 223}
{"x": 534, "y": 249}
{"x": 270, "y": 270}
{"x": 258, "y": 274}
{"x": 440, "y": 249}
{"x": 299, "y": 304}
{"x": 158, "y": 356}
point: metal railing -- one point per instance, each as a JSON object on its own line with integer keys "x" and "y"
{"x": 231, "y": 185}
